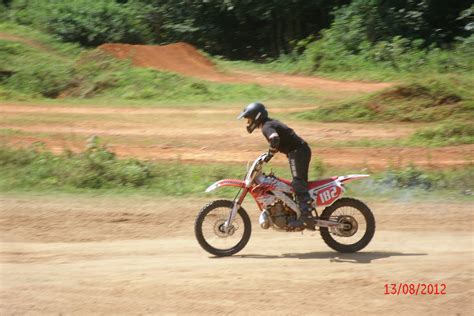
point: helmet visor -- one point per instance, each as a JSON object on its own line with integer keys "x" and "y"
{"x": 241, "y": 115}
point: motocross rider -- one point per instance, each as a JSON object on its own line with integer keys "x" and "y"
{"x": 283, "y": 139}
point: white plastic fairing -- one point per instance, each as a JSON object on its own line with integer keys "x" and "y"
{"x": 212, "y": 187}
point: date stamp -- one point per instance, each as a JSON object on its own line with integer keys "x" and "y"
{"x": 415, "y": 289}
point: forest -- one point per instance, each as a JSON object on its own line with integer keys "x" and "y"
{"x": 257, "y": 30}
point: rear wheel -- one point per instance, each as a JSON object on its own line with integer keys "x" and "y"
{"x": 210, "y": 233}
{"x": 359, "y": 225}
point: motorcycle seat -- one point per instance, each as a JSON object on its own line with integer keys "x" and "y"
{"x": 313, "y": 184}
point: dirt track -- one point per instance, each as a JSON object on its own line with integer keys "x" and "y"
{"x": 185, "y": 59}
{"x": 213, "y": 135}
{"x": 73, "y": 255}
{"x": 138, "y": 255}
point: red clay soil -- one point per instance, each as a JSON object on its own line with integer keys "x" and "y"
{"x": 185, "y": 59}
{"x": 182, "y": 58}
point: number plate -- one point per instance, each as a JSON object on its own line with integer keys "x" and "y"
{"x": 327, "y": 196}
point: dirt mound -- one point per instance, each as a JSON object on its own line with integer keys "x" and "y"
{"x": 185, "y": 59}
{"x": 181, "y": 57}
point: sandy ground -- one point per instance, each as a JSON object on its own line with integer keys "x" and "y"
{"x": 213, "y": 135}
{"x": 138, "y": 255}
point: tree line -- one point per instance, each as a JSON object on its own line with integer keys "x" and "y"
{"x": 248, "y": 29}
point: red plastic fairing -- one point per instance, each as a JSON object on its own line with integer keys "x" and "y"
{"x": 319, "y": 183}
{"x": 312, "y": 184}
{"x": 230, "y": 183}
{"x": 226, "y": 183}
{"x": 328, "y": 195}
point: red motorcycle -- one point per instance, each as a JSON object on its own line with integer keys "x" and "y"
{"x": 223, "y": 227}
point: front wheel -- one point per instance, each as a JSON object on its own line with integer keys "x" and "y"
{"x": 359, "y": 225}
{"x": 210, "y": 233}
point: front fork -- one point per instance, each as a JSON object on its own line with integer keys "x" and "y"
{"x": 235, "y": 208}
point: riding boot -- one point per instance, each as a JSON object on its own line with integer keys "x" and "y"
{"x": 306, "y": 219}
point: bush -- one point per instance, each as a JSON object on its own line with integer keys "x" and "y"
{"x": 89, "y": 23}
{"x": 413, "y": 177}
{"x": 391, "y": 37}
{"x": 98, "y": 168}
{"x": 45, "y": 79}
{"x": 34, "y": 72}
{"x": 94, "y": 168}
{"x": 407, "y": 178}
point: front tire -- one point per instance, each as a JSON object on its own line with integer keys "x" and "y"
{"x": 360, "y": 222}
{"x": 208, "y": 229}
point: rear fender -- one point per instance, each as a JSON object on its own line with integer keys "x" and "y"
{"x": 226, "y": 183}
{"x": 351, "y": 177}
{"x": 329, "y": 193}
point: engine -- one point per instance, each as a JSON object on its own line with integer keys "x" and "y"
{"x": 280, "y": 214}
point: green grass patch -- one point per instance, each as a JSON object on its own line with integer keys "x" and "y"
{"x": 439, "y": 135}
{"x": 12, "y": 132}
{"x": 97, "y": 169}
{"x": 427, "y": 100}
{"x": 29, "y": 71}
{"x": 444, "y": 135}
{"x": 49, "y": 43}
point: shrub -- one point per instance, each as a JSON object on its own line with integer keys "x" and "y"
{"x": 407, "y": 178}
{"x": 34, "y": 72}
{"x": 89, "y": 23}
{"x": 94, "y": 168}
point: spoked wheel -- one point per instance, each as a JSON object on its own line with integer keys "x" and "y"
{"x": 210, "y": 232}
{"x": 358, "y": 225}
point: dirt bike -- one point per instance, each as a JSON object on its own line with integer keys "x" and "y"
{"x": 223, "y": 227}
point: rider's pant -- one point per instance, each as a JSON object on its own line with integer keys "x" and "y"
{"x": 299, "y": 163}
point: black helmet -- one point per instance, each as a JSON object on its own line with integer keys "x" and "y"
{"x": 256, "y": 113}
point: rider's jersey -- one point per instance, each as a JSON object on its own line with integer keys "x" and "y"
{"x": 289, "y": 141}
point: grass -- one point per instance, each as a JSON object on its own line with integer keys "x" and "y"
{"x": 49, "y": 43}
{"x": 444, "y": 135}
{"x": 59, "y": 70}
{"x": 98, "y": 170}
{"x": 288, "y": 65}
{"x": 426, "y": 100}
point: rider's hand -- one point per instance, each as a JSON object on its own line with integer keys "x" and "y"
{"x": 268, "y": 157}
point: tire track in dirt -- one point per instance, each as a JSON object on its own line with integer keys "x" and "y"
{"x": 15, "y": 108}
{"x": 348, "y": 158}
{"x": 191, "y": 138}
{"x": 136, "y": 255}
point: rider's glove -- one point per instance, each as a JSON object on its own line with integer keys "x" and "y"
{"x": 268, "y": 157}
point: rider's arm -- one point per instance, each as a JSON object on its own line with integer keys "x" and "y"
{"x": 273, "y": 139}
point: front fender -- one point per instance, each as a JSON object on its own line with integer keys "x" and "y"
{"x": 226, "y": 183}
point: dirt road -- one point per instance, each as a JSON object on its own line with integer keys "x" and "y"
{"x": 185, "y": 59}
{"x": 213, "y": 135}
{"x": 138, "y": 255}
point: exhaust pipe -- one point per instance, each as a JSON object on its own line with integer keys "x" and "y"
{"x": 264, "y": 220}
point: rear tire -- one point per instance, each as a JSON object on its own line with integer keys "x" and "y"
{"x": 334, "y": 212}
{"x": 206, "y": 213}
